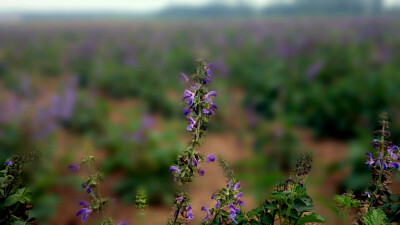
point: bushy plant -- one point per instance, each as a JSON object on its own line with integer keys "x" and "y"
{"x": 15, "y": 197}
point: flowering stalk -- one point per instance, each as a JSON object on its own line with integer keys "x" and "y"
{"x": 229, "y": 202}
{"x": 97, "y": 204}
{"x": 199, "y": 108}
{"x": 380, "y": 165}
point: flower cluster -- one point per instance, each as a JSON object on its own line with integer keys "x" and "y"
{"x": 97, "y": 204}
{"x": 228, "y": 205}
{"x": 200, "y": 107}
{"x": 303, "y": 167}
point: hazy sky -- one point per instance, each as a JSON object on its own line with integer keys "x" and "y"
{"x": 126, "y": 5}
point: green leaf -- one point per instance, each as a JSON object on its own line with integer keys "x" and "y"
{"x": 21, "y": 195}
{"x": 11, "y": 200}
{"x": 19, "y": 222}
{"x": 311, "y": 218}
{"x": 375, "y": 217}
{"x": 255, "y": 211}
{"x": 254, "y": 222}
{"x": 267, "y": 219}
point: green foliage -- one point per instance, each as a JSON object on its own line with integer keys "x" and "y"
{"x": 375, "y": 217}
{"x": 345, "y": 202}
{"x": 15, "y": 198}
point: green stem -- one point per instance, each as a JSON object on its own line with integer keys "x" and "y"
{"x": 289, "y": 206}
{"x": 97, "y": 190}
{"x": 216, "y": 214}
{"x": 381, "y": 167}
{"x": 177, "y": 213}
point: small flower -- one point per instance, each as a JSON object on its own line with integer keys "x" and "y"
{"x": 84, "y": 204}
{"x": 179, "y": 199}
{"x": 237, "y": 186}
{"x": 189, "y": 96}
{"x": 206, "y": 80}
{"x": 210, "y": 158}
{"x": 212, "y": 196}
{"x": 211, "y": 94}
{"x": 85, "y": 212}
{"x": 371, "y": 161}
{"x": 240, "y": 202}
{"x": 122, "y": 223}
{"x": 232, "y": 216}
{"x": 195, "y": 162}
{"x": 73, "y": 168}
{"x": 218, "y": 204}
{"x": 394, "y": 165}
{"x": 184, "y": 77}
{"x": 192, "y": 122}
{"x": 207, "y": 211}
{"x": 89, "y": 189}
{"x": 367, "y": 194}
{"x": 9, "y": 163}
{"x": 206, "y": 111}
{"x": 208, "y": 69}
{"x": 174, "y": 169}
{"x": 394, "y": 156}
{"x": 186, "y": 111}
{"x": 239, "y": 195}
{"x": 189, "y": 212}
{"x": 201, "y": 172}
{"x": 384, "y": 166}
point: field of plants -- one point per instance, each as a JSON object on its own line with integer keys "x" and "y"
{"x": 264, "y": 121}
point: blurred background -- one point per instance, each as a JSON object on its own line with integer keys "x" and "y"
{"x": 103, "y": 76}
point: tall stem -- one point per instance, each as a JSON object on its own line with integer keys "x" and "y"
{"x": 97, "y": 190}
{"x": 177, "y": 214}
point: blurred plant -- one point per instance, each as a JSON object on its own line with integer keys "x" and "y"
{"x": 97, "y": 204}
{"x": 15, "y": 197}
{"x": 200, "y": 108}
{"x": 141, "y": 201}
{"x": 289, "y": 204}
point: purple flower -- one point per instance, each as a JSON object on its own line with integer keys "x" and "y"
{"x": 237, "y": 186}
{"x": 371, "y": 161}
{"x": 192, "y": 122}
{"x": 240, "y": 202}
{"x": 73, "y": 168}
{"x": 201, "y": 172}
{"x": 189, "y": 96}
{"x": 384, "y": 166}
{"x": 186, "y": 111}
{"x": 208, "y": 69}
{"x": 367, "y": 193}
{"x": 394, "y": 156}
{"x": 89, "y": 189}
{"x": 184, "y": 78}
{"x": 189, "y": 212}
{"x": 210, "y": 158}
{"x": 9, "y": 163}
{"x": 84, "y": 204}
{"x": 212, "y": 196}
{"x": 211, "y": 94}
{"x": 218, "y": 204}
{"x": 174, "y": 169}
{"x": 207, "y": 211}
{"x": 206, "y": 80}
{"x": 232, "y": 215}
{"x": 230, "y": 184}
{"x": 85, "y": 212}
{"x": 394, "y": 165}
{"x": 206, "y": 111}
{"x": 195, "y": 162}
{"x": 180, "y": 198}
{"x": 239, "y": 195}
{"x": 122, "y": 223}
